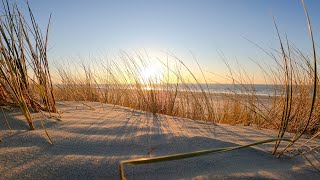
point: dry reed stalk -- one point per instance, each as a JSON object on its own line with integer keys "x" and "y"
{"x": 22, "y": 46}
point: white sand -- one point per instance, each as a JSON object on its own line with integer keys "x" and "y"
{"x": 88, "y": 144}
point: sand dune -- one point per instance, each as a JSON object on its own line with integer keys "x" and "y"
{"x": 88, "y": 144}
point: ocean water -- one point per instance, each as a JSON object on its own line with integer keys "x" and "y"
{"x": 258, "y": 89}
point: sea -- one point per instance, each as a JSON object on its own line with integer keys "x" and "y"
{"x": 257, "y": 89}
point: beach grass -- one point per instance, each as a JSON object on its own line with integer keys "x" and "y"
{"x": 293, "y": 107}
{"x": 24, "y": 71}
{"x": 26, "y": 81}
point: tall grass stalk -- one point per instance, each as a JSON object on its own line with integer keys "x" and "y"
{"x": 302, "y": 130}
{"x": 23, "y": 54}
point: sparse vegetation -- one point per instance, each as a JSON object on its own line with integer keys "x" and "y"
{"x": 25, "y": 80}
{"x": 293, "y": 108}
{"x": 24, "y": 71}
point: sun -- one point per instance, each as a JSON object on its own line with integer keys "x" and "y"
{"x": 151, "y": 74}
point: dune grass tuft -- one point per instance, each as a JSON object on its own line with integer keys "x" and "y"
{"x": 24, "y": 71}
{"x": 25, "y": 80}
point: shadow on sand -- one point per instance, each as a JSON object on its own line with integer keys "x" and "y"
{"x": 91, "y": 148}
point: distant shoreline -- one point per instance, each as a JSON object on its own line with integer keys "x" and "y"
{"x": 256, "y": 89}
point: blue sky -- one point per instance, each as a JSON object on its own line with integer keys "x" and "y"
{"x": 83, "y": 28}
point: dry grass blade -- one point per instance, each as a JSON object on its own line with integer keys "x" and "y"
{"x": 315, "y": 80}
{"x": 45, "y": 129}
{"x": 23, "y": 52}
{"x": 188, "y": 155}
{"x": 311, "y": 163}
{"x": 5, "y": 118}
{"x": 287, "y": 107}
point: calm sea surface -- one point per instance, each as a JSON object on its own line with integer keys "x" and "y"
{"x": 259, "y": 89}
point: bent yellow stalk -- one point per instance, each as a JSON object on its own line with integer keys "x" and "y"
{"x": 189, "y": 155}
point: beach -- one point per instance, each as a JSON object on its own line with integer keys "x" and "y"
{"x": 159, "y": 90}
{"x": 90, "y": 143}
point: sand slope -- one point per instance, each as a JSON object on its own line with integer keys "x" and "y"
{"x": 88, "y": 144}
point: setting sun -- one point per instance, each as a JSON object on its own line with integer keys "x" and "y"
{"x": 151, "y": 74}
{"x": 163, "y": 89}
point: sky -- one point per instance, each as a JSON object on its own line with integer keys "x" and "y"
{"x": 205, "y": 27}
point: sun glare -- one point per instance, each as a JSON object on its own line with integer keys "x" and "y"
{"x": 151, "y": 74}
